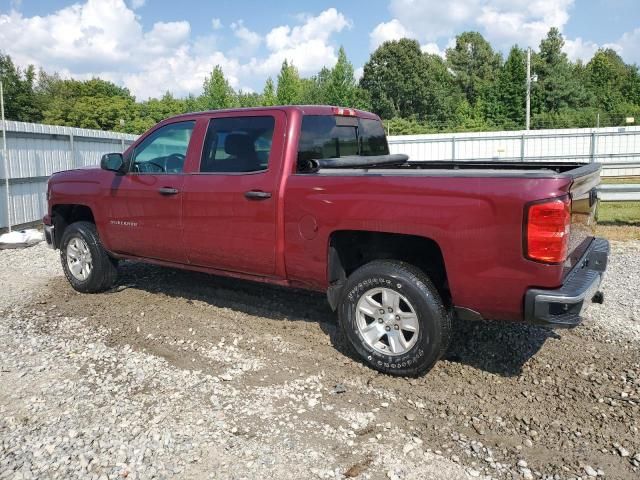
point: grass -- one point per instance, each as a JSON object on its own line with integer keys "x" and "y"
{"x": 619, "y": 213}
{"x": 620, "y": 179}
{"x": 619, "y": 220}
{"x": 616, "y": 232}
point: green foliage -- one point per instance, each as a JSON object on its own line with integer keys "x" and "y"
{"x": 216, "y": 91}
{"x": 395, "y": 79}
{"x": 611, "y": 82}
{"x": 558, "y": 87}
{"x": 313, "y": 90}
{"x": 341, "y": 88}
{"x": 269, "y": 94}
{"x": 289, "y": 85}
{"x": 506, "y": 105}
{"x": 93, "y": 103}
{"x": 19, "y": 91}
{"x": 474, "y": 65}
{"x": 404, "y": 82}
{"x": 414, "y": 92}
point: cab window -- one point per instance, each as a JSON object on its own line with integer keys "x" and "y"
{"x": 325, "y": 136}
{"x": 237, "y": 144}
{"x": 165, "y": 150}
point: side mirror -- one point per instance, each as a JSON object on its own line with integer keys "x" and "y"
{"x": 113, "y": 162}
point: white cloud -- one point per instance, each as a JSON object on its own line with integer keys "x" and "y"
{"x": 502, "y": 22}
{"x": 392, "y": 30}
{"x": 314, "y": 28}
{"x": 307, "y": 46}
{"x": 106, "y": 38}
{"x": 135, "y": 4}
{"x": 216, "y": 23}
{"x": 525, "y": 22}
{"x": 433, "y": 49}
{"x": 629, "y": 46}
{"x": 249, "y": 40}
{"x": 579, "y": 49}
{"x": 433, "y": 19}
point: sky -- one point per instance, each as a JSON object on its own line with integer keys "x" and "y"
{"x": 154, "y": 46}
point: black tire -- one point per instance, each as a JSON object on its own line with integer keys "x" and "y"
{"x": 434, "y": 318}
{"x": 104, "y": 270}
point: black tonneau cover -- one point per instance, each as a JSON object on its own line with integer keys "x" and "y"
{"x": 355, "y": 161}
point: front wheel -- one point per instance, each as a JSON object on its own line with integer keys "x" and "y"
{"x": 394, "y": 318}
{"x": 85, "y": 262}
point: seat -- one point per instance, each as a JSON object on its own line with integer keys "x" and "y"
{"x": 242, "y": 153}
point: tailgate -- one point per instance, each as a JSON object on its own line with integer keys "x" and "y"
{"x": 584, "y": 205}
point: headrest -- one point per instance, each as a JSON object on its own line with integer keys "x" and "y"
{"x": 238, "y": 144}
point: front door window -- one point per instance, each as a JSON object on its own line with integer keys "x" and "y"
{"x": 164, "y": 151}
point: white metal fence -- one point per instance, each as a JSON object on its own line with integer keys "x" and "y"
{"x": 36, "y": 151}
{"x": 617, "y": 148}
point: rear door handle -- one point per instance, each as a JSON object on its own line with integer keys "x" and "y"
{"x": 168, "y": 191}
{"x": 257, "y": 195}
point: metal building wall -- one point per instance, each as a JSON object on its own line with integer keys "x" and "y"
{"x": 36, "y": 151}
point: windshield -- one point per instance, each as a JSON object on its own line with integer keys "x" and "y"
{"x": 325, "y": 136}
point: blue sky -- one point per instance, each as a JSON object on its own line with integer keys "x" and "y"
{"x": 152, "y": 46}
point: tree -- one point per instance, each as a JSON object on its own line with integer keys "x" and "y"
{"x": 474, "y": 64}
{"x": 313, "y": 90}
{"x": 289, "y": 85}
{"x": 440, "y": 95}
{"x": 557, "y": 87}
{"x": 414, "y": 92}
{"x": 394, "y": 78}
{"x": 92, "y": 103}
{"x": 269, "y": 93}
{"x": 151, "y": 111}
{"x": 248, "y": 99}
{"x": 340, "y": 87}
{"x": 19, "y": 91}
{"x": 507, "y": 107}
{"x": 607, "y": 77}
{"x": 217, "y": 93}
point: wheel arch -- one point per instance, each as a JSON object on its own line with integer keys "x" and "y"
{"x": 64, "y": 214}
{"x": 348, "y": 250}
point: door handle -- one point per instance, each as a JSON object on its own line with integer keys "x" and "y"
{"x": 257, "y": 195}
{"x": 168, "y": 191}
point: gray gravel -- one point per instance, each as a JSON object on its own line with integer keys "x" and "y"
{"x": 73, "y": 407}
{"x": 165, "y": 381}
{"x": 620, "y": 314}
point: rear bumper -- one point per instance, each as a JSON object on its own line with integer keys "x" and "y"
{"x": 562, "y": 307}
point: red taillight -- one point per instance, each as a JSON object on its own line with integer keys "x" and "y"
{"x": 547, "y": 230}
{"x": 345, "y": 112}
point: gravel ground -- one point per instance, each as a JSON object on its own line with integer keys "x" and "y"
{"x": 179, "y": 374}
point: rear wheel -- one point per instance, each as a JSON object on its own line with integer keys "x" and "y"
{"x": 85, "y": 262}
{"x": 394, "y": 318}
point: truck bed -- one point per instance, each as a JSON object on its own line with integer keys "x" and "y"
{"x": 476, "y": 169}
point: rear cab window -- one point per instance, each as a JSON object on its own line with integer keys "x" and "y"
{"x": 237, "y": 144}
{"x": 327, "y": 136}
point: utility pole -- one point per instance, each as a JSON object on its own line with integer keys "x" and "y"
{"x": 528, "y": 117}
{"x": 4, "y": 156}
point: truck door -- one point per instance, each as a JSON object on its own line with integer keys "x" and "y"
{"x": 230, "y": 201}
{"x": 145, "y": 205}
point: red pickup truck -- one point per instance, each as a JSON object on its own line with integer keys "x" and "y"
{"x": 309, "y": 196}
